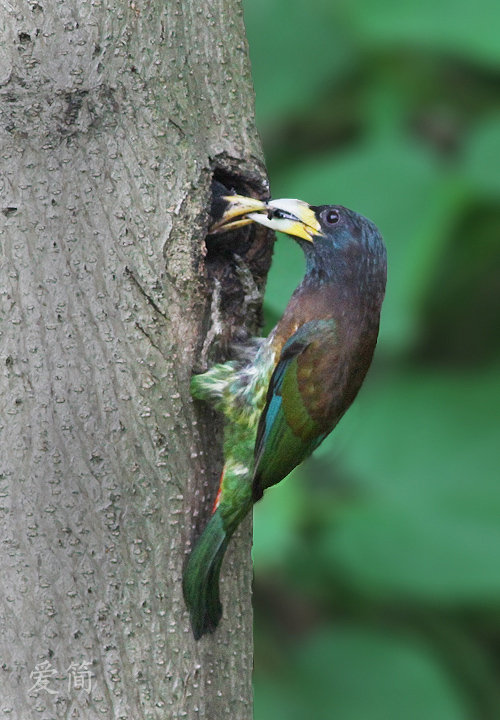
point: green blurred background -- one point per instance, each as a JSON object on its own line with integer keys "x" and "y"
{"x": 377, "y": 563}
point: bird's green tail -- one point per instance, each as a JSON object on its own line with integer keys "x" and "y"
{"x": 201, "y": 577}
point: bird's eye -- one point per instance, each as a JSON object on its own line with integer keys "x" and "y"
{"x": 332, "y": 217}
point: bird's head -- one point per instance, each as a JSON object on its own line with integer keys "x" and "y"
{"x": 336, "y": 240}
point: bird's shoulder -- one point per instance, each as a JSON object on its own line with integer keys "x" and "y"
{"x": 311, "y": 308}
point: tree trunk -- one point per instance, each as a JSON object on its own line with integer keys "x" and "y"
{"x": 114, "y": 117}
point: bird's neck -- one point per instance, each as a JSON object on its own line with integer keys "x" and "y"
{"x": 323, "y": 269}
{"x": 349, "y": 283}
{"x": 352, "y": 296}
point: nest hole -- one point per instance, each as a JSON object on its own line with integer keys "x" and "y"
{"x": 244, "y": 251}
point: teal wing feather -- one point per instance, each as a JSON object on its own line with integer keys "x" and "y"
{"x": 289, "y": 429}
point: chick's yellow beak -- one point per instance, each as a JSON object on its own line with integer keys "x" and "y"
{"x": 236, "y": 212}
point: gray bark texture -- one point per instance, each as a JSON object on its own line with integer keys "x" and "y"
{"x": 114, "y": 116}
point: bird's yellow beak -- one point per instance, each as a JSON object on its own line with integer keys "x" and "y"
{"x": 293, "y": 217}
{"x": 236, "y": 213}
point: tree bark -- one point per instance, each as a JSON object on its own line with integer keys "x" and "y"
{"x": 114, "y": 117}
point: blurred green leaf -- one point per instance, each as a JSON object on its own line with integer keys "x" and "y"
{"x": 284, "y": 38}
{"x": 286, "y": 272}
{"x": 426, "y": 452}
{"x": 353, "y": 673}
{"x": 482, "y": 158}
{"x": 469, "y": 30}
{"x": 275, "y": 523}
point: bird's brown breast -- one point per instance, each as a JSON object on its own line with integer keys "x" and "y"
{"x": 331, "y": 369}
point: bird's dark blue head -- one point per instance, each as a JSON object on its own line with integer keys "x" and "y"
{"x": 345, "y": 245}
{"x": 339, "y": 244}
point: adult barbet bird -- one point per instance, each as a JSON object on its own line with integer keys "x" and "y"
{"x": 281, "y": 403}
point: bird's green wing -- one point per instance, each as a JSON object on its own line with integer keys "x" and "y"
{"x": 291, "y": 426}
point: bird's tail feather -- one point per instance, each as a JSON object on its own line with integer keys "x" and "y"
{"x": 201, "y": 577}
